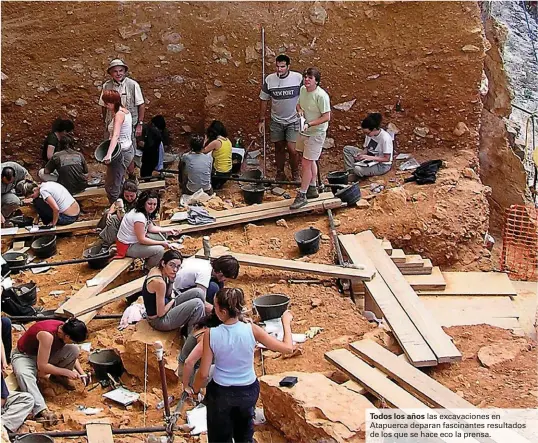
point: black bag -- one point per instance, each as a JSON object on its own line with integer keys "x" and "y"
{"x": 11, "y": 304}
{"x": 426, "y": 173}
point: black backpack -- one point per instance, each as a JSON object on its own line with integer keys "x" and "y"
{"x": 11, "y": 304}
{"x": 426, "y": 173}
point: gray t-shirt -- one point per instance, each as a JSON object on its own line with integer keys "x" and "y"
{"x": 71, "y": 167}
{"x": 284, "y": 95}
{"x": 198, "y": 170}
{"x": 20, "y": 174}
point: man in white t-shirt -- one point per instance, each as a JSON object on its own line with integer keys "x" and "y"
{"x": 376, "y": 157}
{"x": 282, "y": 88}
{"x": 54, "y": 204}
{"x": 200, "y": 278}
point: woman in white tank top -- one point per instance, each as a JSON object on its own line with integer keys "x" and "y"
{"x": 121, "y": 130}
{"x": 232, "y": 394}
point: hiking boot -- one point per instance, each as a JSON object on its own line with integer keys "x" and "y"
{"x": 281, "y": 176}
{"x": 299, "y": 201}
{"x": 312, "y": 192}
{"x": 47, "y": 418}
{"x": 64, "y": 381}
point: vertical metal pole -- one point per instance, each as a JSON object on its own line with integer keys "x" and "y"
{"x": 263, "y": 79}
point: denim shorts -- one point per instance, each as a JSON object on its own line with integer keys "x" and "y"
{"x": 281, "y": 131}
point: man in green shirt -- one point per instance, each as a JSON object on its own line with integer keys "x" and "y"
{"x": 314, "y": 107}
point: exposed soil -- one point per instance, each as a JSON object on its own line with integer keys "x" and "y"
{"x": 415, "y": 48}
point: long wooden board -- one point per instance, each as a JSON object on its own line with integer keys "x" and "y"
{"x": 99, "y": 433}
{"x": 433, "y": 281}
{"x": 106, "y": 276}
{"x": 224, "y": 220}
{"x": 105, "y": 298}
{"x": 412, "y": 343}
{"x": 319, "y": 269}
{"x": 475, "y": 283}
{"x": 98, "y": 192}
{"x": 437, "y": 339}
{"x": 372, "y": 380}
{"x": 77, "y": 226}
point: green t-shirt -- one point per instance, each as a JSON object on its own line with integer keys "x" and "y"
{"x": 314, "y": 104}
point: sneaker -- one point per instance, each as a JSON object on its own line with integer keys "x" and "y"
{"x": 299, "y": 201}
{"x": 64, "y": 381}
{"x": 312, "y": 192}
{"x": 47, "y": 417}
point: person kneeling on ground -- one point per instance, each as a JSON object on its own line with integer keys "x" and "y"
{"x": 376, "y": 158}
{"x": 47, "y": 348}
{"x": 232, "y": 394}
{"x": 13, "y": 180}
{"x": 154, "y": 142}
{"x": 51, "y": 144}
{"x": 53, "y": 203}
{"x": 219, "y": 146}
{"x": 195, "y": 168}
{"x": 133, "y": 240}
{"x": 191, "y": 352}
{"x": 67, "y": 167}
{"x": 111, "y": 219}
{"x": 203, "y": 279}
{"x": 16, "y": 406}
{"x": 164, "y": 312}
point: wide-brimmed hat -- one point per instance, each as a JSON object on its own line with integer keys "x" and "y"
{"x": 117, "y": 62}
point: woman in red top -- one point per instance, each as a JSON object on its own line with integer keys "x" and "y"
{"x": 46, "y": 349}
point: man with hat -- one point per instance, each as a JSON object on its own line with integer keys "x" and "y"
{"x": 131, "y": 98}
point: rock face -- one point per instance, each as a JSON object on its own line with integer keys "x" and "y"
{"x": 315, "y": 409}
{"x": 134, "y": 354}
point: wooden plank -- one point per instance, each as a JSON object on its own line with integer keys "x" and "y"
{"x": 77, "y": 226}
{"x": 98, "y": 192}
{"x": 319, "y": 269}
{"x": 387, "y": 246}
{"x": 475, "y": 283}
{"x": 223, "y": 220}
{"x": 372, "y": 380}
{"x": 99, "y": 433}
{"x": 421, "y": 385}
{"x": 409, "y": 338}
{"x": 105, "y": 298}
{"x": 437, "y": 339}
{"x": 398, "y": 256}
{"x": 408, "y": 377}
{"x": 106, "y": 276}
{"x": 433, "y": 281}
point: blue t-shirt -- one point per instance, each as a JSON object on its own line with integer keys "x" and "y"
{"x": 5, "y": 390}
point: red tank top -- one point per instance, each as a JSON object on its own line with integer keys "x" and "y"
{"x": 29, "y": 344}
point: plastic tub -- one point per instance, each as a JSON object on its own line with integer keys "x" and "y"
{"x": 253, "y": 194}
{"x": 308, "y": 240}
{"x": 34, "y": 438}
{"x": 271, "y": 305}
{"x": 350, "y": 194}
{"x": 44, "y": 247}
{"x": 105, "y": 362}
{"x": 27, "y": 293}
{"x": 102, "y": 149}
{"x": 97, "y": 251}
{"x": 15, "y": 259}
{"x": 337, "y": 178}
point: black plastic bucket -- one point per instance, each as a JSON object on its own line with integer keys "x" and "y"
{"x": 253, "y": 173}
{"x": 337, "y": 178}
{"x": 237, "y": 162}
{"x": 21, "y": 221}
{"x": 253, "y": 194}
{"x": 34, "y": 438}
{"x": 26, "y": 293}
{"x": 350, "y": 194}
{"x": 97, "y": 252}
{"x": 14, "y": 259}
{"x": 102, "y": 149}
{"x": 44, "y": 247}
{"x": 105, "y": 362}
{"x": 271, "y": 305}
{"x": 308, "y": 240}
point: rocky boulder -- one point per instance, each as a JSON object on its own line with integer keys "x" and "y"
{"x": 498, "y": 353}
{"x": 133, "y": 354}
{"x": 315, "y": 409}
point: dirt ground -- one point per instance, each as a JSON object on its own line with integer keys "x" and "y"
{"x": 418, "y": 56}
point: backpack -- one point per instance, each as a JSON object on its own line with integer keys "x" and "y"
{"x": 426, "y": 173}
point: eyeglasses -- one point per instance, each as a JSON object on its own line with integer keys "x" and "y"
{"x": 173, "y": 266}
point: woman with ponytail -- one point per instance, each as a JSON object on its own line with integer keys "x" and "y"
{"x": 232, "y": 394}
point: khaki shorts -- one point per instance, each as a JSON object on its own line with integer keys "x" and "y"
{"x": 311, "y": 147}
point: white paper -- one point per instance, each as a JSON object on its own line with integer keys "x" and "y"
{"x": 302, "y": 122}
{"x": 180, "y": 216}
{"x": 41, "y": 269}
{"x": 7, "y": 283}
{"x": 94, "y": 282}
{"x": 197, "y": 418}
{"x": 402, "y": 156}
{"x": 122, "y": 396}
{"x": 9, "y": 231}
{"x": 35, "y": 228}
{"x": 85, "y": 346}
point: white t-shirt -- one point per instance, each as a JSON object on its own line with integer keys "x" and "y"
{"x": 59, "y": 194}
{"x": 193, "y": 271}
{"x": 379, "y": 144}
{"x": 126, "y": 233}
{"x": 126, "y": 131}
